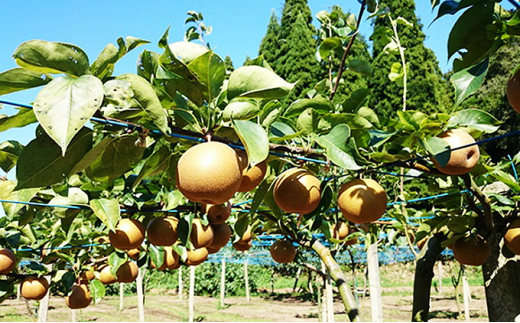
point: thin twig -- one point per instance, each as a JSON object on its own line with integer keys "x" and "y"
{"x": 347, "y": 50}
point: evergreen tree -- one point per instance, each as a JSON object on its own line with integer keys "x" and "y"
{"x": 229, "y": 65}
{"x": 270, "y": 45}
{"x": 295, "y": 37}
{"x": 427, "y": 91}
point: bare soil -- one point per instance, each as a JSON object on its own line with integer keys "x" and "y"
{"x": 165, "y": 306}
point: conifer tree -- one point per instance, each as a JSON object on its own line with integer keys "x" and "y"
{"x": 427, "y": 91}
{"x": 295, "y": 60}
{"x": 270, "y": 45}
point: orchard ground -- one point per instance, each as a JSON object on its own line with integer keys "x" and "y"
{"x": 284, "y": 305}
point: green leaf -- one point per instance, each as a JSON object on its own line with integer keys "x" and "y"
{"x": 260, "y": 194}
{"x": 104, "y": 65}
{"x": 51, "y": 57}
{"x": 147, "y": 99}
{"x": 241, "y": 109}
{"x": 438, "y": 148}
{"x": 280, "y": 131}
{"x": 23, "y": 118}
{"x": 476, "y": 119}
{"x": 338, "y": 150}
{"x": 178, "y": 74}
{"x": 7, "y": 192}
{"x": 116, "y": 260}
{"x": 75, "y": 196}
{"x": 65, "y": 104}
{"x": 119, "y": 156}
{"x": 327, "y": 47}
{"x": 154, "y": 165}
{"x": 396, "y": 73}
{"x": 156, "y": 255}
{"x": 471, "y": 37}
{"x": 307, "y": 121}
{"x": 107, "y": 210}
{"x": 9, "y": 152}
{"x": 469, "y": 80}
{"x": 255, "y": 140}
{"x": 412, "y": 118}
{"x": 97, "y": 290}
{"x": 356, "y": 100}
{"x": 319, "y": 104}
{"x": 211, "y": 72}
{"x": 360, "y": 66}
{"x": 257, "y": 82}
{"x": 18, "y": 79}
{"x": 507, "y": 179}
{"x": 41, "y": 162}
{"x": 188, "y": 51}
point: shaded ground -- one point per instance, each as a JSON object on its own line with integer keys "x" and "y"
{"x": 278, "y": 307}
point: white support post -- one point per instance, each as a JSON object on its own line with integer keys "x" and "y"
{"x": 181, "y": 284}
{"x": 223, "y": 283}
{"x": 74, "y": 316}
{"x": 375, "y": 283}
{"x": 140, "y": 293}
{"x": 440, "y": 274}
{"x": 121, "y": 296}
{"x": 43, "y": 308}
{"x": 324, "y": 301}
{"x": 246, "y": 277}
{"x": 466, "y": 294}
{"x": 191, "y": 304}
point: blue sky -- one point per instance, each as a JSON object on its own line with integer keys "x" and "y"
{"x": 238, "y": 27}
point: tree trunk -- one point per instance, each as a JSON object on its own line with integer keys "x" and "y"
{"x": 337, "y": 275}
{"x": 501, "y": 279}
{"x": 423, "y": 278}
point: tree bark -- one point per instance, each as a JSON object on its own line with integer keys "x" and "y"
{"x": 337, "y": 275}
{"x": 423, "y": 278}
{"x": 501, "y": 278}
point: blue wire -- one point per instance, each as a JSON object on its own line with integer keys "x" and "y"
{"x": 513, "y": 166}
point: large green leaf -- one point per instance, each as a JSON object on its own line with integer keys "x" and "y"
{"x": 175, "y": 72}
{"x": 319, "y": 104}
{"x": 9, "y": 152}
{"x": 241, "y": 109}
{"x": 469, "y": 80}
{"x": 474, "y": 118}
{"x": 145, "y": 95}
{"x": 257, "y": 82}
{"x": 97, "y": 290}
{"x": 471, "y": 37}
{"x": 65, "y": 104}
{"x": 75, "y": 196}
{"x": 155, "y": 164}
{"x": 438, "y": 148}
{"x": 7, "y": 192}
{"x": 23, "y": 118}
{"x": 91, "y": 156}
{"x": 18, "y": 79}
{"x": 279, "y": 131}
{"x": 51, "y": 57}
{"x": 338, "y": 149}
{"x": 119, "y": 156}
{"x": 107, "y": 210}
{"x": 328, "y": 47}
{"x": 187, "y": 51}
{"x": 255, "y": 140}
{"x": 211, "y": 72}
{"x": 41, "y": 162}
{"x": 103, "y": 66}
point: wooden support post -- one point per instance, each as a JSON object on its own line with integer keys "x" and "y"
{"x": 191, "y": 303}
{"x": 298, "y": 273}
{"x": 43, "y": 308}
{"x": 181, "y": 284}
{"x": 223, "y": 283}
{"x": 375, "y": 283}
{"x": 74, "y": 316}
{"x": 121, "y": 296}
{"x": 246, "y": 277}
{"x": 140, "y": 293}
{"x": 330, "y": 299}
